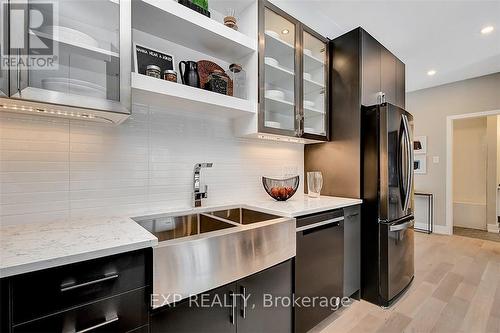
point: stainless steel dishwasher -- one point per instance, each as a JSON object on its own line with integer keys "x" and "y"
{"x": 318, "y": 266}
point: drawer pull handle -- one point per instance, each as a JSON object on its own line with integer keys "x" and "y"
{"x": 84, "y": 284}
{"x": 107, "y": 322}
{"x": 334, "y": 221}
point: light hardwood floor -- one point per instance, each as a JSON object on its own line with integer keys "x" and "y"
{"x": 456, "y": 289}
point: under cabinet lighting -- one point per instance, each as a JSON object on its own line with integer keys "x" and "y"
{"x": 285, "y": 31}
{"x": 431, "y": 72}
{"x": 46, "y": 111}
{"x": 280, "y": 138}
{"x": 487, "y": 30}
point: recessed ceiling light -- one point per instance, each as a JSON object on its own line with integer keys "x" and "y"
{"x": 431, "y": 72}
{"x": 285, "y": 31}
{"x": 487, "y": 30}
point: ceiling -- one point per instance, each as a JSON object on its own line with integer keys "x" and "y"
{"x": 440, "y": 35}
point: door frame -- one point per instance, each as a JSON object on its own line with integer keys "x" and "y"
{"x": 449, "y": 162}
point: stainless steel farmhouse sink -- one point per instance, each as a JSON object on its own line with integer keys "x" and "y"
{"x": 201, "y": 251}
{"x": 243, "y": 215}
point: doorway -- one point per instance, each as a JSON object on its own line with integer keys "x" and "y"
{"x": 470, "y": 176}
{"x": 473, "y": 173}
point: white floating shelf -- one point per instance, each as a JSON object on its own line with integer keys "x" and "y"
{"x": 279, "y": 106}
{"x": 313, "y": 112}
{"x": 312, "y": 87}
{"x": 280, "y": 50}
{"x": 312, "y": 63}
{"x": 178, "y": 97}
{"x": 172, "y": 21}
{"x": 280, "y": 76}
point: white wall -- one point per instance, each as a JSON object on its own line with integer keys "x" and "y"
{"x": 55, "y": 168}
{"x": 430, "y": 108}
{"x": 470, "y": 154}
{"x": 491, "y": 170}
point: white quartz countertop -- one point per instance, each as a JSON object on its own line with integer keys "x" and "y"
{"x": 35, "y": 246}
{"x": 303, "y": 205}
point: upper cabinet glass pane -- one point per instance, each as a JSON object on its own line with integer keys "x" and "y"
{"x": 279, "y": 72}
{"x": 314, "y": 83}
{"x": 4, "y": 71}
{"x": 85, "y": 36}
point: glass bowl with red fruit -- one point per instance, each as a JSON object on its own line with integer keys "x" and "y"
{"x": 281, "y": 189}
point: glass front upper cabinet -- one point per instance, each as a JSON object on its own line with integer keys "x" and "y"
{"x": 314, "y": 83}
{"x": 278, "y": 68}
{"x": 292, "y": 77}
{"x": 4, "y": 70}
{"x": 78, "y": 53}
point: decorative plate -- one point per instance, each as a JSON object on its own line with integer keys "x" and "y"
{"x": 207, "y": 67}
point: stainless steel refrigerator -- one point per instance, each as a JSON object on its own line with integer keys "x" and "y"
{"x": 387, "y": 260}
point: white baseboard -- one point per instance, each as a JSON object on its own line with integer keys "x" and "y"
{"x": 493, "y": 228}
{"x": 442, "y": 229}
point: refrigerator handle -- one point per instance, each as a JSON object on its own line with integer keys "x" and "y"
{"x": 402, "y": 165}
{"x": 409, "y": 162}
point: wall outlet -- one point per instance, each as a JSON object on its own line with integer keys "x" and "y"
{"x": 435, "y": 159}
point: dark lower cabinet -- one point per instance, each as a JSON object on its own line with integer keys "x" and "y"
{"x": 107, "y": 294}
{"x": 268, "y": 308}
{"x": 75, "y": 284}
{"x": 213, "y": 311}
{"x": 121, "y": 313}
{"x": 352, "y": 251}
{"x": 5, "y": 311}
{"x": 225, "y": 310}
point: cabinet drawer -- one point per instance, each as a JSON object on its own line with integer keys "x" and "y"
{"x": 45, "y": 292}
{"x": 116, "y": 314}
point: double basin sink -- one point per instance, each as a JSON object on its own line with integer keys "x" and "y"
{"x": 203, "y": 250}
{"x": 166, "y": 227}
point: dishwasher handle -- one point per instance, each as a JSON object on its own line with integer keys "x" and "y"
{"x": 307, "y": 229}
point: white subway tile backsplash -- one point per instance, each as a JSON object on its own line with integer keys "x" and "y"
{"x": 53, "y": 169}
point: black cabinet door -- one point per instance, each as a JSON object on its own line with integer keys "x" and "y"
{"x": 214, "y": 311}
{"x": 67, "y": 286}
{"x": 400, "y": 84}
{"x": 258, "y": 313}
{"x": 352, "y": 250}
{"x": 388, "y": 75}
{"x": 370, "y": 69}
{"x": 117, "y": 314}
{"x": 5, "y": 311}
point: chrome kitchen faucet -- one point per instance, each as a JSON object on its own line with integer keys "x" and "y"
{"x": 196, "y": 184}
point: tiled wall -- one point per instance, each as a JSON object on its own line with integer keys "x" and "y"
{"x": 55, "y": 168}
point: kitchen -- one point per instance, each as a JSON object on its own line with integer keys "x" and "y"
{"x": 167, "y": 193}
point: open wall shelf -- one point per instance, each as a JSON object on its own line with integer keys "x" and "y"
{"x": 172, "y": 21}
{"x": 177, "y": 97}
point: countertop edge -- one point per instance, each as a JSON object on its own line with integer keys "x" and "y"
{"x": 319, "y": 210}
{"x": 74, "y": 258}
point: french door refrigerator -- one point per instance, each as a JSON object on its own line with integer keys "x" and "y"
{"x": 387, "y": 191}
